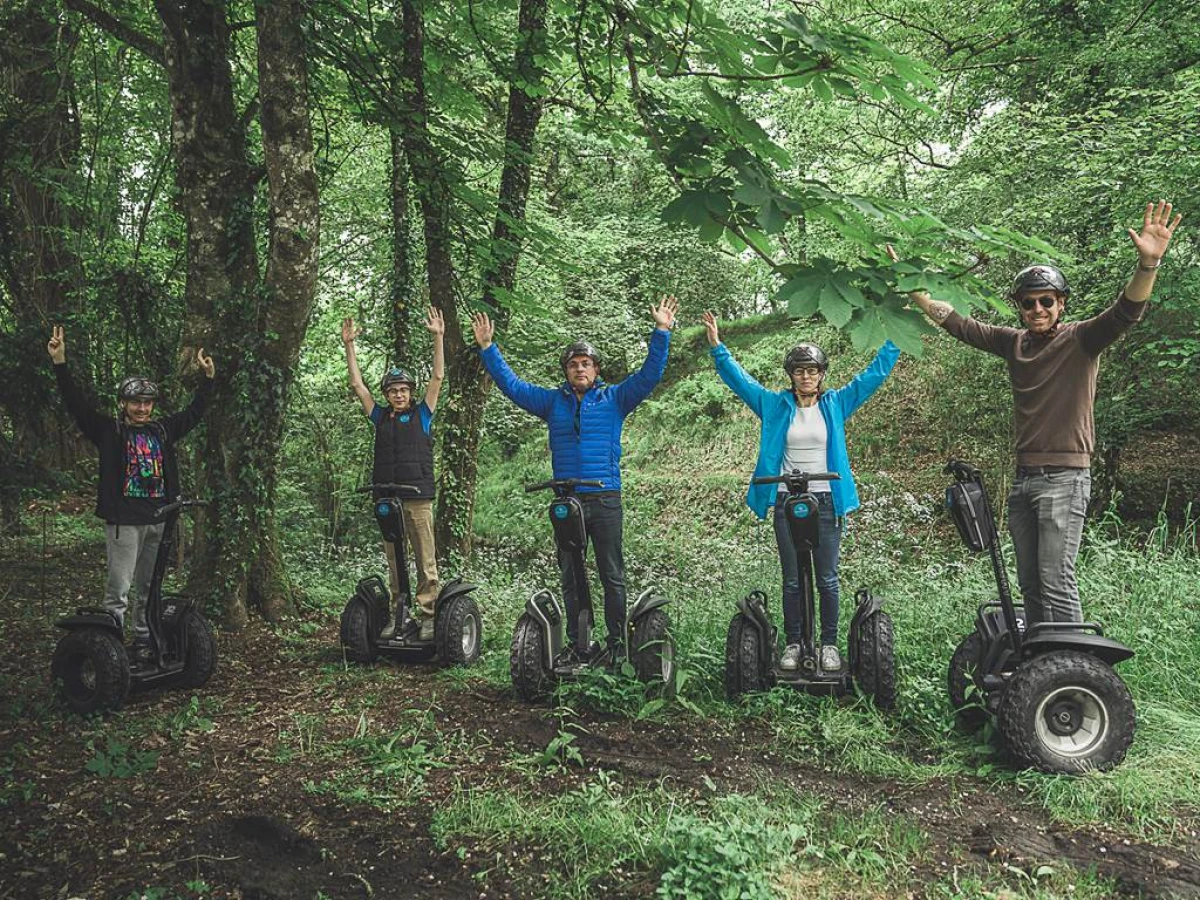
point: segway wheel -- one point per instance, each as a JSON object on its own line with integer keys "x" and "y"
{"x": 201, "y": 659}
{"x": 745, "y": 659}
{"x": 458, "y": 631}
{"x": 876, "y": 658}
{"x": 1066, "y": 712}
{"x": 969, "y": 713}
{"x": 526, "y": 663}
{"x": 93, "y": 670}
{"x": 357, "y": 640}
{"x": 652, "y": 648}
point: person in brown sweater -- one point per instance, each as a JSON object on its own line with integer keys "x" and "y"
{"x": 1052, "y": 366}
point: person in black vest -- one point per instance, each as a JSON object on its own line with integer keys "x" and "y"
{"x": 404, "y": 455}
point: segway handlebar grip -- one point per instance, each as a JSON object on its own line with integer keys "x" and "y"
{"x": 407, "y": 488}
{"x": 962, "y": 471}
{"x": 798, "y": 476}
{"x": 177, "y": 504}
{"x": 563, "y": 483}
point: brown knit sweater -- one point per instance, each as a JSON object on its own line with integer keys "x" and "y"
{"x": 1053, "y": 379}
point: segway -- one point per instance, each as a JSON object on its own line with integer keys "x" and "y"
{"x": 458, "y": 628}
{"x": 1057, "y": 703}
{"x": 537, "y": 660}
{"x": 90, "y": 662}
{"x": 752, "y": 647}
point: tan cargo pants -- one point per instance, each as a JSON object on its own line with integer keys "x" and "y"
{"x": 418, "y": 525}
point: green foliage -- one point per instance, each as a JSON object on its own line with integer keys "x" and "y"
{"x": 119, "y": 759}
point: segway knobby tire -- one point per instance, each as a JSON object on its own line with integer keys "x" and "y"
{"x": 745, "y": 662}
{"x": 458, "y": 631}
{"x": 526, "y": 663}
{"x": 201, "y": 659}
{"x": 1067, "y": 712}
{"x": 876, "y": 657}
{"x": 94, "y": 672}
{"x": 357, "y": 640}
{"x": 969, "y": 713}
{"x": 652, "y": 649}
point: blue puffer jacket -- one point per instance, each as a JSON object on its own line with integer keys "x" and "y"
{"x": 585, "y": 436}
{"x": 776, "y": 409}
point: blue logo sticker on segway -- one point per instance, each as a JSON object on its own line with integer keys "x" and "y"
{"x": 383, "y": 509}
{"x": 561, "y": 510}
{"x": 801, "y": 511}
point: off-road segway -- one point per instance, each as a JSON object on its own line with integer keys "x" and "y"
{"x": 1057, "y": 702}
{"x": 458, "y": 628}
{"x": 538, "y": 661}
{"x": 752, "y": 647}
{"x": 90, "y": 661}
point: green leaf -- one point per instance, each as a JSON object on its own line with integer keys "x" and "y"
{"x": 867, "y": 330}
{"x": 821, "y": 86}
{"x": 903, "y": 327}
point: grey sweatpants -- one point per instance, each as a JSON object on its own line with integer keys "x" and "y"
{"x": 131, "y": 553}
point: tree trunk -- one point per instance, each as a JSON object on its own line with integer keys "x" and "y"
{"x": 254, "y": 330}
{"x": 39, "y": 147}
{"x": 402, "y": 288}
{"x": 462, "y": 420}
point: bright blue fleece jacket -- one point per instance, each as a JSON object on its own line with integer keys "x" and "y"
{"x": 585, "y": 436}
{"x": 776, "y": 409}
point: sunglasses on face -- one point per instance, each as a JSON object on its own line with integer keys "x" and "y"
{"x": 1028, "y": 303}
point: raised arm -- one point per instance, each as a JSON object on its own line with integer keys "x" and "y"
{"x": 737, "y": 379}
{"x": 868, "y": 381}
{"x": 90, "y": 421}
{"x": 637, "y": 387}
{"x": 185, "y": 420}
{"x": 349, "y": 333}
{"x": 530, "y": 397}
{"x": 437, "y": 327}
{"x": 1151, "y": 244}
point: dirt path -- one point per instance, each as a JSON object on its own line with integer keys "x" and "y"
{"x": 236, "y": 790}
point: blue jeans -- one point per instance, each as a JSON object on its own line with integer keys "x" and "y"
{"x": 603, "y": 519}
{"x": 1045, "y": 520}
{"x": 825, "y": 563}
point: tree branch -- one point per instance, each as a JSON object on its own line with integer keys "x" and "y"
{"x": 144, "y": 44}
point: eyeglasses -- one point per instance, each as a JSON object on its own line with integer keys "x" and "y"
{"x": 1027, "y": 303}
{"x": 807, "y": 371}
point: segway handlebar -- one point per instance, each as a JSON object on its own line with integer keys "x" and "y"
{"x": 178, "y": 503}
{"x": 797, "y": 476}
{"x": 962, "y": 471}
{"x": 563, "y": 484}
{"x": 407, "y": 488}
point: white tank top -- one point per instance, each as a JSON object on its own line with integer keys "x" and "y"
{"x": 807, "y": 447}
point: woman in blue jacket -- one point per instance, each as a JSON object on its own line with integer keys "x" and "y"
{"x": 804, "y": 428}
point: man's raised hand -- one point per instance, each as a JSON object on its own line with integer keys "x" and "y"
{"x": 57, "y": 346}
{"x": 664, "y": 313}
{"x": 483, "y": 328}
{"x": 1157, "y": 230}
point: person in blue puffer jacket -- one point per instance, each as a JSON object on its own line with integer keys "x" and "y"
{"x": 804, "y": 429}
{"x": 585, "y": 417}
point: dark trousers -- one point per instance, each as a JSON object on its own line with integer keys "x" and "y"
{"x": 825, "y": 563}
{"x": 602, "y": 516}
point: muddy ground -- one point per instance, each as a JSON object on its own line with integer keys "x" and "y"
{"x": 239, "y": 795}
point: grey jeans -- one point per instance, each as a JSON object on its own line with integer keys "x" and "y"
{"x": 1045, "y": 520}
{"x": 131, "y": 553}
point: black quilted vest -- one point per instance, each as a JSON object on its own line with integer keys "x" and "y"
{"x": 403, "y": 453}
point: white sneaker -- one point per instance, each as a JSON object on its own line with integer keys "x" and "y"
{"x": 791, "y": 657}
{"x": 426, "y": 630}
{"x": 831, "y": 660}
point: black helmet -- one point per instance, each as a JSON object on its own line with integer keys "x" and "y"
{"x": 805, "y": 355}
{"x": 136, "y": 387}
{"x": 579, "y": 348}
{"x": 396, "y": 375}
{"x": 1039, "y": 278}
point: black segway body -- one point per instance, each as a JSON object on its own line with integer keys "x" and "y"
{"x": 1058, "y": 704}
{"x": 537, "y": 659}
{"x": 90, "y": 661}
{"x": 752, "y": 647}
{"x": 458, "y": 627}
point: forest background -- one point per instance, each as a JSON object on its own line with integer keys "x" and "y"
{"x": 241, "y": 176}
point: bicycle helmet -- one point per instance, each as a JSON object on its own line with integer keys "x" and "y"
{"x": 396, "y": 375}
{"x": 805, "y": 355}
{"x": 1039, "y": 278}
{"x": 136, "y": 387}
{"x": 579, "y": 348}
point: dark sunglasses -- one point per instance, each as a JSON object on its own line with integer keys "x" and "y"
{"x": 1027, "y": 303}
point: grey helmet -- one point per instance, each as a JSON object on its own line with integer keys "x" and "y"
{"x": 1039, "y": 278}
{"x": 579, "y": 348}
{"x": 135, "y": 387}
{"x": 805, "y": 355}
{"x": 396, "y": 375}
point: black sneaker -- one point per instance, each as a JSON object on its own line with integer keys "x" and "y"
{"x": 569, "y": 656}
{"x": 142, "y": 654}
{"x": 614, "y": 654}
